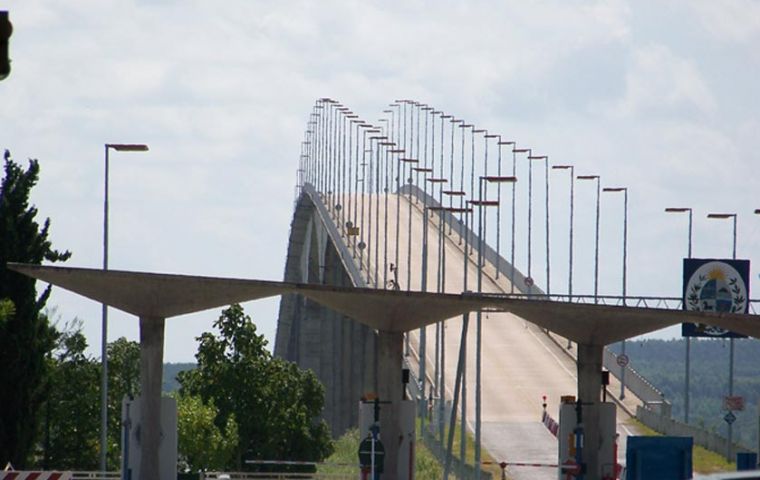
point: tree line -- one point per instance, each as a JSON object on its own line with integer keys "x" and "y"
{"x": 663, "y": 362}
{"x": 239, "y": 404}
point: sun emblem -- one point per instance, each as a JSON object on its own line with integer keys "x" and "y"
{"x": 716, "y": 287}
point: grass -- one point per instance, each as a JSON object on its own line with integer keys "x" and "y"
{"x": 703, "y": 460}
{"x": 427, "y": 467}
{"x": 344, "y": 459}
{"x": 489, "y": 466}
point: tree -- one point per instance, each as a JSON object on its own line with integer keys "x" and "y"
{"x": 276, "y": 405}
{"x": 26, "y": 336}
{"x": 123, "y": 380}
{"x": 201, "y": 444}
{"x": 71, "y": 427}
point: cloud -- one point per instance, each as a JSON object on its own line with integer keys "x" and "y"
{"x": 732, "y": 21}
{"x": 660, "y": 83}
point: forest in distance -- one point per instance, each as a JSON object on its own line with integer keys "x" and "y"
{"x": 663, "y": 363}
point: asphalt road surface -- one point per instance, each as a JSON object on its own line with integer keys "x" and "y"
{"x": 520, "y": 362}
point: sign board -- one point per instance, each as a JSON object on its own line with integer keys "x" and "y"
{"x": 365, "y": 454}
{"x": 733, "y": 404}
{"x": 729, "y": 418}
{"x": 714, "y": 285}
{"x": 622, "y": 360}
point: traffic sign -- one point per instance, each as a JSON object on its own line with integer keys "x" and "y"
{"x": 735, "y": 403}
{"x": 730, "y": 418}
{"x": 366, "y": 451}
{"x": 622, "y": 360}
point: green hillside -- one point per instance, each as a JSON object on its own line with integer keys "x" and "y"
{"x": 663, "y": 363}
{"x": 171, "y": 370}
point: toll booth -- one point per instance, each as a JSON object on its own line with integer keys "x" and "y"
{"x": 571, "y": 437}
{"x": 130, "y": 434}
{"x": 407, "y": 428}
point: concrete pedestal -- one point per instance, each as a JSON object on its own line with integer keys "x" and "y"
{"x": 589, "y": 392}
{"x": 151, "y": 372}
{"x": 389, "y": 349}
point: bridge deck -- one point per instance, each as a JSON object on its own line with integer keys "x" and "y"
{"x": 521, "y": 363}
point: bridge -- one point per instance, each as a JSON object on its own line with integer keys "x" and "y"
{"x": 403, "y": 235}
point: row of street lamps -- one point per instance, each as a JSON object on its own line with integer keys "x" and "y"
{"x": 401, "y": 136}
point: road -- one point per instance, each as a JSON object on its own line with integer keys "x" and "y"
{"x": 520, "y": 362}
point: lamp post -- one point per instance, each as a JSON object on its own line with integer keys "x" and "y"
{"x": 625, "y": 258}
{"x": 119, "y": 147}
{"x": 545, "y": 158}
{"x": 570, "y": 253}
{"x": 596, "y": 234}
{"x": 480, "y": 203}
{"x": 721, "y": 216}
{"x": 687, "y": 376}
{"x": 529, "y": 278}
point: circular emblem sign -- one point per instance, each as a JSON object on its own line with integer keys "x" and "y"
{"x": 716, "y": 287}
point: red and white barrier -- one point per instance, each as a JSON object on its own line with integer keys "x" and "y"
{"x": 550, "y": 423}
{"x": 28, "y": 475}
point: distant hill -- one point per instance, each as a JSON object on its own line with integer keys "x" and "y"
{"x": 171, "y": 370}
{"x": 663, "y": 363}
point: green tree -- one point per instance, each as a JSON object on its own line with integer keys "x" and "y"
{"x": 276, "y": 405}
{"x": 201, "y": 444}
{"x": 70, "y": 437}
{"x": 26, "y": 336}
{"x": 123, "y": 380}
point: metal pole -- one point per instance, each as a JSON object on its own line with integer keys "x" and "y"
{"x": 104, "y": 334}
{"x": 625, "y": 250}
{"x": 512, "y": 245}
{"x": 596, "y": 243}
{"x": 733, "y": 216}
{"x": 687, "y": 374}
{"x": 731, "y": 363}
{"x": 570, "y": 253}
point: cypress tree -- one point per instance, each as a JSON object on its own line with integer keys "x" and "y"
{"x": 26, "y": 336}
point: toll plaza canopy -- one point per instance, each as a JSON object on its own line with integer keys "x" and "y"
{"x": 158, "y": 295}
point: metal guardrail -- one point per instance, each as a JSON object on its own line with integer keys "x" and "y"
{"x": 276, "y": 476}
{"x": 96, "y": 475}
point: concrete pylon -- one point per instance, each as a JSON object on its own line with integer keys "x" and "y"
{"x": 390, "y": 354}
{"x": 151, "y": 371}
{"x": 589, "y": 392}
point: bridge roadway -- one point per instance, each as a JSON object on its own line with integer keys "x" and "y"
{"x": 520, "y": 362}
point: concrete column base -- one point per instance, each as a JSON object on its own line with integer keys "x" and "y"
{"x": 589, "y": 392}
{"x": 390, "y": 351}
{"x": 151, "y": 373}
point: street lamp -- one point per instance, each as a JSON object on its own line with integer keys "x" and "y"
{"x": 480, "y": 203}
{"x": 687, "y": 376}
{"x": 625, "y": 257}
{"x": 721, "y": 216}
{"x": 570, "y": 256}
{"x": 119, "y": 147}
{"x": 545, "y": 158}
{"x": 596, "y": 235}
{"x": 529, "y": 278}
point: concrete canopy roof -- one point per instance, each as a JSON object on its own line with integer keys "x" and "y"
{"x": 167, "y": 295}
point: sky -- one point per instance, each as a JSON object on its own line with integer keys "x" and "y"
{"x": 658, "y": 96}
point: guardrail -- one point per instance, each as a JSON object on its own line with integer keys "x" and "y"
{"x": 276, "y": 476}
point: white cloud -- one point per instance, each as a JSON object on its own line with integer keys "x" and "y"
{"x": 221, "y": 91}
{"x": 734, "y": 21}
{"x": 659, "y": 82}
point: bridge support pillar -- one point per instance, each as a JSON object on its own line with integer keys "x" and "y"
{"x": 390, "y": 355}
{"x": 151, "y": 372}
{"x": 589, "y": 393}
